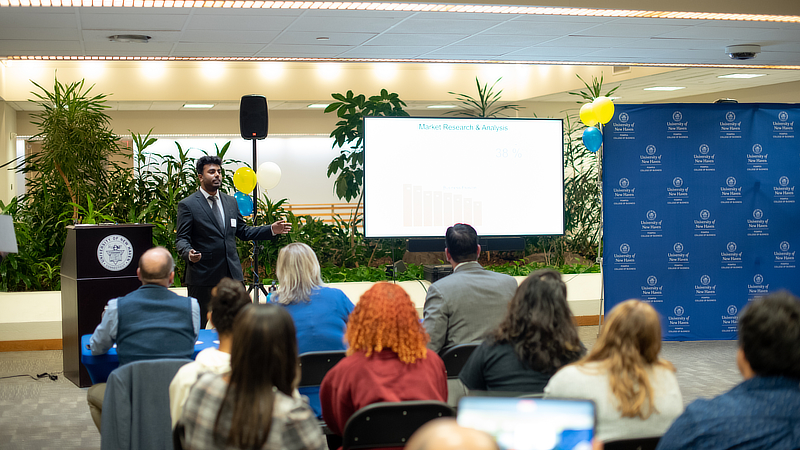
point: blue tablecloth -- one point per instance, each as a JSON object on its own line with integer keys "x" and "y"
{"x": 100, "y": 366}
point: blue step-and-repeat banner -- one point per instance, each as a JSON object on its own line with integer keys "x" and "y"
{"x": 700, "y": 211}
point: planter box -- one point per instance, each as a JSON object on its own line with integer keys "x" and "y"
{"x": 32, "y": 320}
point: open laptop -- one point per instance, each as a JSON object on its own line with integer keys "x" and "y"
{"x": 531, "y": 423}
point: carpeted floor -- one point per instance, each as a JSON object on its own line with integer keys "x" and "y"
{"x": 44, "y": 414}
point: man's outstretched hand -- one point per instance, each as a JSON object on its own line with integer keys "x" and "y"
{"x": 281, "y": 227}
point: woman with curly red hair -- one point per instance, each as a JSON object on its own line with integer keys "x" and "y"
{"x": 387, "y": 360}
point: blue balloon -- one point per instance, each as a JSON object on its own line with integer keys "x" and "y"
{"x": 245, "y": 203}
{"x": 592, "y": 139}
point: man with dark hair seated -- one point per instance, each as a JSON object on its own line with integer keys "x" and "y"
{"x": 762, "y": 412}
{"x": 464, "y": 306}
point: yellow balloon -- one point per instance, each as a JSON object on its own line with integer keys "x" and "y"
{"x": 603, "y": 109}
{"x": 244, "y": 179}
{"x": 587, "y": 115}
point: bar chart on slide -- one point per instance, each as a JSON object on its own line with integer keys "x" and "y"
{"x": 425, "y": 208}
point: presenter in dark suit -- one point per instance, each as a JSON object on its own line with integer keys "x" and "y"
{"x": 208, "y": 224}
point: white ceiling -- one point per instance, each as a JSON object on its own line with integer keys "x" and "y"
{"x": 416, "y": 36}
{"x": 292, "y": 33}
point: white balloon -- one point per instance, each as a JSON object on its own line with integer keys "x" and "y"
{"x": 268, "y": 175}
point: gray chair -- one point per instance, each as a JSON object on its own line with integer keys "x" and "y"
{"x": 136, "y": 406}
{"x": 390, "y": 424}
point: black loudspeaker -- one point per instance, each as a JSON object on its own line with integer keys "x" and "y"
{"x": 253, "y": 120}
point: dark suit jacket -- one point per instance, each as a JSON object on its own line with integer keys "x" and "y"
{"x": 199, "y": 230}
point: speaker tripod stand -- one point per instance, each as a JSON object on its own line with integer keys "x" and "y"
{"x": 253, "y": 124}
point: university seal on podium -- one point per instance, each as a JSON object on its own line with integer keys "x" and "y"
{"x": 115, "y": 252}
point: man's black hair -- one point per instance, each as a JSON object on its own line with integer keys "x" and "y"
{"x": 203, "y": 161}
{"x": 769, "y": 334}
{"x": 461, "y": 241}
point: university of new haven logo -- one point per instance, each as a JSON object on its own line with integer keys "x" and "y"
{"x": 115, "y": 252}
{"x": 758, "y": 214}
{"x": 783, "y": 181}
{"x": 705, "y": 214}
{"x": 783, "y": 116}
{"x": 704, "y": 149}
{"x": 731, "y": 247}
{"x": 652, "y": 280}
{"x": 677, "y": 116}
{"x": 732, "y": 310}
{"x": 625, "y": 248}
{"x": 758, "y": 278}
{"x": 651, "y": 215}
{"x": 678, "y": 247}
{"x": 679, "y": 311}
{"x": 705, "y": 280}
{"x": 623, "y": 117}
{"x": 730, "y": 116}
{"x": 677, "y": 182}
{"x": 624, "y": 183}
{"x": 731, "y": 181}
{"x": 757, "y": 149}
{"x": 650, "y": 150}
{"x": 784, "y": 246}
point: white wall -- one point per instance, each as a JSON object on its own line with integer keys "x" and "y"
{"x": 303, "y": 161}
{"x": 8, "y": 151}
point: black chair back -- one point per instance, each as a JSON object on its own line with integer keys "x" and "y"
{"x": 648, "y": 443}
{"x": 314, "y": 366}
{"x": 455, "y": 357}
{"x": 390, "y": 424}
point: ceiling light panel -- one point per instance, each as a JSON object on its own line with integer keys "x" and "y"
{"x": 391, "y": 6}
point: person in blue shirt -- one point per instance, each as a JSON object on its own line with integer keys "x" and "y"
{"x": 763, "y": 412}
{"x": 320, "y": 313}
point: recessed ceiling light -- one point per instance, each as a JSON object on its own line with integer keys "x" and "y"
{"x": 323, "y": 38}
{"x": 441, "y": 106}
{"x": 742, "y": 75}
{"x": 665, "y": 88}
{"x": 130, "y": 38}
{"x": 198, "y": 106}
{"x": 318, "y": 105}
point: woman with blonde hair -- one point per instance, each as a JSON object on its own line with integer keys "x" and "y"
{"x": 387, "y": 361}
{"x": 320, "y": 313}
{"x": 636, "y": 392}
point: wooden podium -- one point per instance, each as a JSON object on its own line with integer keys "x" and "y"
{"x": 99, "y": 263}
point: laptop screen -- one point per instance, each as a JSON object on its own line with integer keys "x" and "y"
{"x": 531, "y": 423}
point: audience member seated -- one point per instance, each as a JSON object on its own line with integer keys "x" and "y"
{"x": 762, "y": 412}
{"x": 465, "y": 305}
{"x": 387, "y": 360}
{"x": 253, "y": 406}
{"x": 636, "y": 392}
{"x": 446, "y": 434}
{"x": 227, "y": 299}
{"x": 151, "y": 322}
{"x": 536, "y": 338}
{"x": 320, "y": 313}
